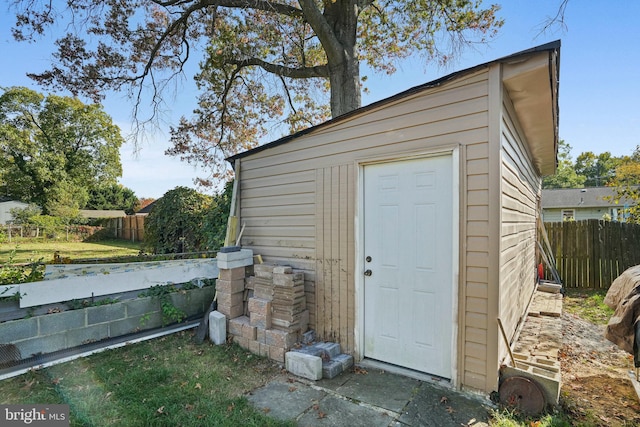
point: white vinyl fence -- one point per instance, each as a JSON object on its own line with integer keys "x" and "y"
{"x": 78, "y": 281}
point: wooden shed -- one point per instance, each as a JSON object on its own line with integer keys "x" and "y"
{"x": 414, "y": 218}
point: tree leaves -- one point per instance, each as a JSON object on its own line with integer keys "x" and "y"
{"x": 175, "y": 224}
{"x": 54, "y": 149}
{"x": 267, "y": 67}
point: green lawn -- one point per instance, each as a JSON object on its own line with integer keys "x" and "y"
{"x": 168, "y": 381}
{"x": 34, "y": 250}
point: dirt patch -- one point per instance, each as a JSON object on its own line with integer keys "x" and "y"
{"x": 596, "y": 389}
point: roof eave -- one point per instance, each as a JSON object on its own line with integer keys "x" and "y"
{"x": 542, "y": 134}
{"x": 532, "y": 83}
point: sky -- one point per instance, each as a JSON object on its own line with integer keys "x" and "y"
{"x": 599, "y": 83}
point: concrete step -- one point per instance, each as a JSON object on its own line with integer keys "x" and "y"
{"x": 305, "y": 364}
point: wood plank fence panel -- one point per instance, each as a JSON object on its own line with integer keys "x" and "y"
{"x": 592, "y": 253}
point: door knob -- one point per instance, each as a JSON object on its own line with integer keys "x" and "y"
{"x": 367, "y": 272}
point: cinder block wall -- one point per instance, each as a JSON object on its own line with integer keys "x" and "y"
{"x": 58, "y": 331}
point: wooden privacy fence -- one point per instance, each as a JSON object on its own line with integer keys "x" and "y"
{"x": 592, "y": 253}
{"x": 130, "y": 227}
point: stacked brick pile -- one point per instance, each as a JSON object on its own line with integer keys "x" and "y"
{"x": 275, "y": 317}
{"x": 230, "y": 288}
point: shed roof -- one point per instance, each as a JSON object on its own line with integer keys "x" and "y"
{"x": 591, "y": 197}
{"x": 533, "y": 87}
{"x": 100, "y": 213}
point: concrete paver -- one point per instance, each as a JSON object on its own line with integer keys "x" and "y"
{"x": 368, "y": 398}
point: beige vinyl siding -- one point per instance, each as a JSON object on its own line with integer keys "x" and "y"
{"x": 477, "y": 266}
{"x": 520, "y": 191}
{"x": 278, "y": 212}
{"x": 314, "y": 200}
{"x": 335, "y": 254}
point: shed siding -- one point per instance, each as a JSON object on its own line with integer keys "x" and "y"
{"x": 307, "y": 189}
{"x": 520, "y": 190}
{"x": 477, "y": 265}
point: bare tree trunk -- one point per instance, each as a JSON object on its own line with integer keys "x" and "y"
{"x": 336, "y": 29}
{"x": 345, "y": 86}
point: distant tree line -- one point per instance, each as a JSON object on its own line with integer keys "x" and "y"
{"x": 599, "y": 170}
{"x": 60, "y": 154}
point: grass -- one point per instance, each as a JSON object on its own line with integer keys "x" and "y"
{"x": 29, "y": 250}
{"x": 171, "y": 381}
{"x": 168, "y": 381}
{"x": 588, "y": 304}
{"x": 506, "y": 418}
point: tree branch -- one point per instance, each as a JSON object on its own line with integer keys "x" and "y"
{"x": 264, "y": 5}
{"x": 323, "y": 30}
{"x": 281, "y": 70}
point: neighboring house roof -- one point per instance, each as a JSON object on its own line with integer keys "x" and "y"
{"x": 97, "y": 213}
{"x": 542, "y": 135}
{"x": 147, "y": 208}
{"x": 591, "y": 197}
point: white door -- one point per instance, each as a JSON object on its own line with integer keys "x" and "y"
{"x": 408, "y": 283}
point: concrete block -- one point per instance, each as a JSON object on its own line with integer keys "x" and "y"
{"x": 241, "y": 341}
{"x": 230, "y": 274}
{"x": 231, "y": 260}
{"x": 150, "y": 320}
{"x": 261, "y": 335}
{"x": 42, "y": 345}
{"x": 537, "y": 361}
{"x": 288, "y": 280}
{"x": 346, "y": 360}
{"x": 263, "y": 271}
{"x": 260, "y": 321}
{"x": 217, "y": 328}
{"x": 264, "y": 350}
{"x": 76, "y": 337}
{"x": 125, "y": 326}
{"x": 60, "y": 322}
{"x": 259, "y": 306}
{"x": 281, "y": 339}
{"x": 548, "y": 381}
{"x": 231, "y": 311}
{"x": 140, "y": 306}
{"x": 192, "y": 303}
{"x": 104, "y": 313}
{"x": 282, "y": 269}
{"x": 309, "y": 336}
{"x": 277, "y": 354}
{"x": 249, "y": 332}
{"x": 311, "y": 350}
{"x": 254, "y": 347}
{"x": 233, "y": 256}
{"x": 331, "y": 369}
{"x": 236, "y": 325}
{"x": 230, "y": 286}
{"x": 21, "y": 329}
{"x": 331, "y": 349}
{"x": 304, "y": 365}
{"x": 230, "y": 299}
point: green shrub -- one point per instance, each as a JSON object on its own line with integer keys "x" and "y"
{"x": 176, "y": 223}
{"x": 14, "y": 274}
{"x": 215, "y": 226}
